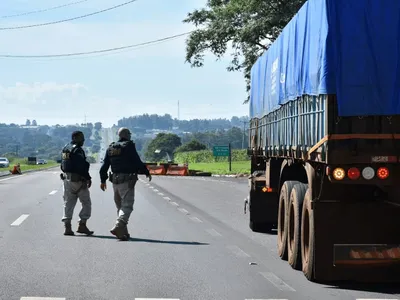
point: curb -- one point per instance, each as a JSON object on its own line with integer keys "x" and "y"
{"x": 5, "y": 174}
{"x": 231, "y": 175}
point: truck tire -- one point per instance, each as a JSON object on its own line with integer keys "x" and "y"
{"x": 282, "y": 217}
{"x": 295, "y": 209}
{"x": 307, "y": 238}
{"x": 262, "y": 227}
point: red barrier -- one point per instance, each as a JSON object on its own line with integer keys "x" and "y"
{"x": 156, "y": 170}
{"x": 178, "y": 170}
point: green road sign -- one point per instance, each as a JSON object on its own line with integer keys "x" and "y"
{"x": 221, "y": 150}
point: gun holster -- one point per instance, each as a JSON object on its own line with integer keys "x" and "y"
{"x": 110, "y": 177}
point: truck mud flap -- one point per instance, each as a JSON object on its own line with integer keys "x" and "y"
{"x": 357, "y": 241}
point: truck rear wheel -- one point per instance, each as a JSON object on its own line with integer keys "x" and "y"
{"x": 294, "y": 224}
{"x": 307, "y": 238}
{"x": 282, "y": 217}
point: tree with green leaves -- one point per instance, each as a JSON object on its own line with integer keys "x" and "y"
{"x": 161, "y": 145}
{"x": 193, "y": 145}
{"x": 248, "y": 27}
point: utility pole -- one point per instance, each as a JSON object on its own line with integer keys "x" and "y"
{"x": 178, "y": 112}
{"x": 244, "y": 133}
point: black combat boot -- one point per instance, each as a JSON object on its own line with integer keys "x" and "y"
{"x": 68, "y": 228}
{"x": 82, "y": 228}
{"x": 120, "y": 230}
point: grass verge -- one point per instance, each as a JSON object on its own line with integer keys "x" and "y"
{"x": 222, "y": 168}
{"x": 26, "y": 167}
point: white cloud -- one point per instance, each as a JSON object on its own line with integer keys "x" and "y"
{"x": 23, "y": 93}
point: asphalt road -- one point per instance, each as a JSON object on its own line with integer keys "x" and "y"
{"x": 190, "y": 240}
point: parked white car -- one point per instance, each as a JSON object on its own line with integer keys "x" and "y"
{"x": 4, "y": 162}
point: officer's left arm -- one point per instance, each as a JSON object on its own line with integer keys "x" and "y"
{"x": 104, "y": 168}
{"x": 141, "y": 166}
{"x": 82, "y": 165}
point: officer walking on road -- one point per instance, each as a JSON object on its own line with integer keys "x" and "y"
{"x": 77, "y": 182}
{"x": 125, "y": 166}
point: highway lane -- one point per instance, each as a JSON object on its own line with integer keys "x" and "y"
{"x": 189, "y": 241}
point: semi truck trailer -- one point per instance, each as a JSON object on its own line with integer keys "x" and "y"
{"x": 324, "y": 141}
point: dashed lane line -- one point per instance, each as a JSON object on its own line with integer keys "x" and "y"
{"x": 41, "y": 298}
{"x": 237, "y": 251}
{"x": 53, "y": 192}
{"x": 277, "y": 282}
{"x": 195, "y": 219}
{"x": 19, "y": 221}
{"x": 213, "y": 232}
{"x": 182, "y": 210}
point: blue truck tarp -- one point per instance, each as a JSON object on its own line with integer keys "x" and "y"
{"x": 350, "y": 48}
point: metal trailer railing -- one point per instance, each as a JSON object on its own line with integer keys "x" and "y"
{"x": 291, "y": 130}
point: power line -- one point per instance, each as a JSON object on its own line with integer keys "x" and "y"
{"x": 43, "y": 10}
{"x": 98, "y": 51}
{"x": 66, "y": 20}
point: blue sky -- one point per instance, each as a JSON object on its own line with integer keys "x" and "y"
{"x": 108, "y": 87}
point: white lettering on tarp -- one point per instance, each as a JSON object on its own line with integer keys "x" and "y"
{"x": 274, "y": 70}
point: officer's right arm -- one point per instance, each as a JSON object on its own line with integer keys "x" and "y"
{"x": 104, "y": 168}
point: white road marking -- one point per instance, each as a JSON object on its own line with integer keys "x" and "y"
{"x": 151, "y": 187}
{"x": 12, "y": 177}
{"x": 53, "y": 192}
{"x": 266, "y": 299}
{"x": 19, "y": 221}
{"x": 377, "y": 299}
{"x": 276, "y": 281}
{"x": 161, "y": 194}
{"x": 237, "y": 251}
{"x": 41, "y": 298}
{"x": 167, "y": 198}
{"x": 195, "y": 219}
{"x": 155, "y": 190}
{"x": 213, "y": 232}
{"x": 157, "y": 299}
{"x": 174, "y": 203}
{"x": 182, "y": 210}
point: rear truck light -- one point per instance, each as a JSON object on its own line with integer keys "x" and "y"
{"x": 383, "y": 173}
{"x": 368, "y": 173}
{"x": 353, "y": 173}
{"x": 339, "y": 174}
{"x": 266, "y": 189}
{"x": 328, "y": 171}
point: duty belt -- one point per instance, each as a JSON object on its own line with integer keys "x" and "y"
{"x": 74, "y": 177}
{"x": 118, "y": 178}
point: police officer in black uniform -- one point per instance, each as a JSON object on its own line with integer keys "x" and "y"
{"x": 77, "y": 182}
{"x": 125, "y": 166}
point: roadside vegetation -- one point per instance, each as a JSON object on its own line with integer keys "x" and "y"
{"x": 25, "y": 166}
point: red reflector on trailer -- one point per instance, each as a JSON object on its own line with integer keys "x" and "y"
{"x": 353, "y": 173}
{"x": 383, "y": 173}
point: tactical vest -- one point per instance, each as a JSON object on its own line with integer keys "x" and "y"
{"x": 67, "y": 163}
{"x": 119, "y": 155}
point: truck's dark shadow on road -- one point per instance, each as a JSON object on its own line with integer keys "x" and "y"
{"x": 140, "y": 240}
{"x": 384, "y": 288}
